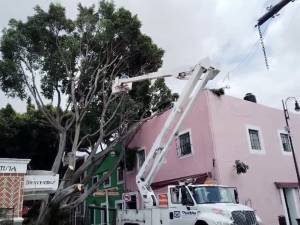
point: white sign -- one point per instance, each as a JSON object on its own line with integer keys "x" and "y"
{"x": 47, "y": 183}
{"x": 13, "y": 165}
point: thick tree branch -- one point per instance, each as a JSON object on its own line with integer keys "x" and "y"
{"x": 94, "y": 187}
{"x": 61, "y": 149}
{"x": 35, "y": 94}
{"x": 115, "y": 111}
{"x": 58, "y": 106}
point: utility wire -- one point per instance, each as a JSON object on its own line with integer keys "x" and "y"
{"x": 252, "y": 50}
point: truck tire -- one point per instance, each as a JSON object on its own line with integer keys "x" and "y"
{"x": 201, "y": 222}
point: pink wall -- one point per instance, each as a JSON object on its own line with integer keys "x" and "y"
{"x": 201, "y": 159}
{"x": 230, "y": 116}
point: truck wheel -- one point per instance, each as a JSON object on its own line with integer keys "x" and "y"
{"x": 201, "y": 222}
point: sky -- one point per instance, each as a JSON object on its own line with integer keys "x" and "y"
{"x": 222, "y": 30}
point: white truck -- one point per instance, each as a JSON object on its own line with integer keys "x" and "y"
{"x": 185, "y": 204}
{"x": 193, "y": 205}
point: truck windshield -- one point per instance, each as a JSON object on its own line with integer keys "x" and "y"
{"x": 213, "y": 194}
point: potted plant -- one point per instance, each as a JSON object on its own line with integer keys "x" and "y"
{"x": 240, "y": 167}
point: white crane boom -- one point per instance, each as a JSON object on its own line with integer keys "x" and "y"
{"x": 125, "y": 84}
{"x": 156, "y": 156}
{"x": 160, "y": 147}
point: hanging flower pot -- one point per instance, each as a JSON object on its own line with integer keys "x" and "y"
{"x": 240, "y": 167}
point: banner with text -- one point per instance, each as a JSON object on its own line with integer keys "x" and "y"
{"x": 41, "y": 183}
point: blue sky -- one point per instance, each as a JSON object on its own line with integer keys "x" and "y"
{"x": 223, "y": 30}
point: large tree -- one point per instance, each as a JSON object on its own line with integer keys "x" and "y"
{"x": 67, "y": 67}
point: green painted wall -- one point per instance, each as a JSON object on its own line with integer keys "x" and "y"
{"x": 100, "y": 200}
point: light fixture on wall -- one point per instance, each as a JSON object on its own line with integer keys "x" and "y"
{"x": 297, "y": 107}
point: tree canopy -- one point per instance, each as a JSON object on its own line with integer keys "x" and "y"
{"x": 27, "y": 136}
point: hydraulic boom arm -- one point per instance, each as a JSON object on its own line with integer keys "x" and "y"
{"x": 156, "y": 156}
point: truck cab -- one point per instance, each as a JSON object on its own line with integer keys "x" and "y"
{"x": 208, "y": 205}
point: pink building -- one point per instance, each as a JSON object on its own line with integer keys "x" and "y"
{"x": 220, "y": 130}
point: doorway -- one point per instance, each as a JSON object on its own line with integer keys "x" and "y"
{"x": 291, "y": 198}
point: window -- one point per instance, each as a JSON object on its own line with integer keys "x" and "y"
{"x": 254, "y": 139}
{"x": 95, "y": 179}
{"x": 286, "y": 145}
{"x": 130, "y": 160}
{"x": 285, "y": 142}
{"x": 107, "y": 182}
{"x": 131, "y": 202}
{"x": 140, "y": 158}
{"x": 119, "y": 204}
{"x": 120, "y": 175}
{"x": 185, "y": 147}
{"x": 179, "y": 195}
{"x": 212, "y": 194}
{"x": 175, "y": 195}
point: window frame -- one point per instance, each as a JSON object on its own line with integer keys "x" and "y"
{"x": 137, "y": 158}
{"x": 109, "y": 178}
{"x": 281, "y": 143}
{"x": 180, "y": 156}
{"x": 118, "y": 178}
{"x": 262, "y": 151}
{"x": 119, "y": 202}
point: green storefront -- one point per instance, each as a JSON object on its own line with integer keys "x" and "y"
{"x": 109, "y": 194}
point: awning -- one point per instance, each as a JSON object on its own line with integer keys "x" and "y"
{"x": 199, "y": 179}
{"x": 286, "y": 185}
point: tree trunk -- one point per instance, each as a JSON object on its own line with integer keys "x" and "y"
{"x": 52, "y": 216}
{"x": 61, "y": 148}
{"x": 45, "y": 208}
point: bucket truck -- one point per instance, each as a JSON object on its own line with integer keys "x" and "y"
{"x": 187, "y": 204}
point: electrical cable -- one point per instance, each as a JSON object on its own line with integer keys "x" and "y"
{"x": 251, "y": 52}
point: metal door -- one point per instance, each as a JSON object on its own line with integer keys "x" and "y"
{"x": 181, "y": 212}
